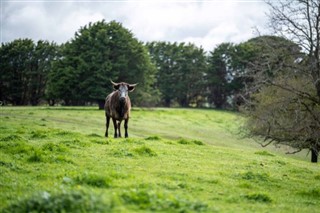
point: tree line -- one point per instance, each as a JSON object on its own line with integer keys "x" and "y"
{"x": 79, "y": 71}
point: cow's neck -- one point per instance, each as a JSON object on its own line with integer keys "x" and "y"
{"x": 121, "y": 109}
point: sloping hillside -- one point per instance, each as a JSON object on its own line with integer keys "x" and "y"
{"x": 176, "y": 160}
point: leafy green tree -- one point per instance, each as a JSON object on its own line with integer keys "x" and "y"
{"x": 98, "y": 53}
{"x": 217, "y": 75}
{"x": 226, "y": 75}
{"x": 181, "y": 70}
{"x": 24, "y": 70}
{"x": 191, "y": 76}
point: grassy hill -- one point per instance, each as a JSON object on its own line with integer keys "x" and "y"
{"x": 176, "y": 160}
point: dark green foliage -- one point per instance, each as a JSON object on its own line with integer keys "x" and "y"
{"x": 74, "y": 201}
{"x": 24, "y": 68}
{"x": 181, "y": 70}
{"x": 225, "y": 75}
{"x": 98, "y": 53}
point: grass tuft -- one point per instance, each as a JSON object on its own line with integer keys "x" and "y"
{"x": 16, "y": 147}
{"x": 157, "y": 201}
{"x": 312, "y": 193}
{"x": 153, "y": 138}
{"x": 259, "y": 197}
{"x": 264, "y": 153}
{"x": 94, "y": 135}
{"x": 123, "y": 152}
{"x": 53, "y": 147}
{"x": 11, "y": 138}
{"x": 189, "y": 142}
{"x": 39, "y": 134}
{"x": 145, "y": 151}
{"x": 74, "y": 201}
{"x": 263, "y": 177}
{"x": 94, "y": 180}
{"x": 36, "y": 157}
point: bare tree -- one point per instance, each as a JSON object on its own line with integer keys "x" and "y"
{"x": 284, "y": 107}
{"x": 299, "y": 21}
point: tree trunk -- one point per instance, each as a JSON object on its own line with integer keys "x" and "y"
{"x": 314, "y": 155}
{"x": 101, "y": 104}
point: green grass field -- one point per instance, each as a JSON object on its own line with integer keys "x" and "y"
{"x": 176, "y": 160}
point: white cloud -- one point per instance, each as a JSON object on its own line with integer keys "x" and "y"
{"x": 202, "y": 22}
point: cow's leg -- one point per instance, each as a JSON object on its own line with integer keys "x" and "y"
{"x": 115, "y": 127}
{"x": 126, "y": 127}
{"x": 119, "y": 129}
{"x": 107, "y": 125}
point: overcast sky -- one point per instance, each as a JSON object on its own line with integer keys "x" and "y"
{"x": 205, "y": 23}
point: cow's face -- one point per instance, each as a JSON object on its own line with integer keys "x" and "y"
{"x": 123, "y": 89}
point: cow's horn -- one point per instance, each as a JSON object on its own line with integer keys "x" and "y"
{"x": 115, "y": 84}
{"x": 133, "y": 85}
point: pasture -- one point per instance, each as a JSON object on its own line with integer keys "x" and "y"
{"x": 176, "y": 160}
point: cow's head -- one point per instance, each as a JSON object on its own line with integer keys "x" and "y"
{"x": 123, "y": 89}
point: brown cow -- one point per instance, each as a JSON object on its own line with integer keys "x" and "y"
{"x": 118, "y": 106}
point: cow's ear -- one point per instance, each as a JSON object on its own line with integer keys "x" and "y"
{"x": 131, "y": 87}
